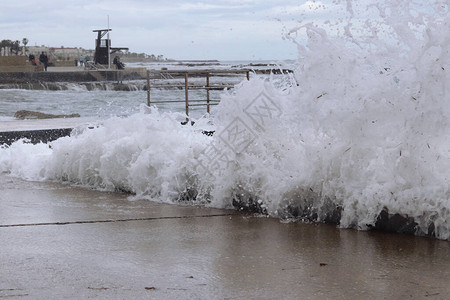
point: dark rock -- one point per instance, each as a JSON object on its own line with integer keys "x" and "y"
{"x": 189, "y": 195}
{"x": 208, "y": 133}
{"x": 244, "y": 201}
{"x": 395, "y": 223}
{"x": 122, "y": 87}
{"x": 27, "y": 114}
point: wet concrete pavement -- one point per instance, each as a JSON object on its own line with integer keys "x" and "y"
{"x": 59, "y": 241}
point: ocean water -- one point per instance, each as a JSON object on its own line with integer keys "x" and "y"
{"x": 360, "y": 127}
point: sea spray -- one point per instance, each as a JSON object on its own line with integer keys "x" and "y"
{"x": 385, "y": 106}
{"x": 144, "y": 154}
{"x": 358, "y": 131}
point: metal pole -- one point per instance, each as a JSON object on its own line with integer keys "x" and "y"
{"x": 109, "y": 48}
{"x": 186, "y": 92}
{"x": 148, "y": 88}
{"x": 207, "y": 92}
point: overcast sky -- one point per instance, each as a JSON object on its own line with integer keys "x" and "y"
{"x": 179, "y": 29}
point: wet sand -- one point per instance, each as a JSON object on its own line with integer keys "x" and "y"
{"x": 67, "y": 242}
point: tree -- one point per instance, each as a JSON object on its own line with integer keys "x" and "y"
{"x": 13, "y": 46}
{"x": 6, "y": 43}
{"x": 24, "y": 42}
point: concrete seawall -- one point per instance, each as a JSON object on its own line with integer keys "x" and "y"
{"x": 41, "y": 130}
{"x": 35, "y": 136}
{"x": 72, "y": 76}
{"x": 77, "y": 74}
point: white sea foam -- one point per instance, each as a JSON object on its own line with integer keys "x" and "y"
{"x": 360, "y": 127}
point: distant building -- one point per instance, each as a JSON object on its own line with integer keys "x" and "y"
{"x": 60, "y": 54}
{"x": 37, "y": 49}
{"x": 65, "y": 53}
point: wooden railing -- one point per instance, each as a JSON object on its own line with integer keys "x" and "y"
{"x": 208, "y": 102}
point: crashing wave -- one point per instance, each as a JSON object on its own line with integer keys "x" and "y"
{"x": 357, "y": 135}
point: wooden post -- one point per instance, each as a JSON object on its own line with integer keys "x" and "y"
{"x": 148, "y": 88}
{"x": 186, "y": 92}
{"x": 207, "y": 92}
{"x": 248, "y": 75}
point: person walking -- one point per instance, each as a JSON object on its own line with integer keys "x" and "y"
{"x": 43, "y": 59}
{"x": 81, "y": 60}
